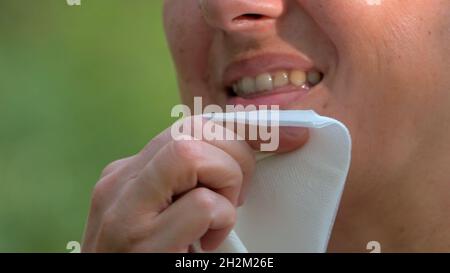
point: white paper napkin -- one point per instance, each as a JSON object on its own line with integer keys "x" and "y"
{"x": 294, "y": 197}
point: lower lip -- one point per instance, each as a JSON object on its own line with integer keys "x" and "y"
{"x": 282, "y": 99}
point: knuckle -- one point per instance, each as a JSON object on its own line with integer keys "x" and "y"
{"x": 206, "y": 203}
{"x": 188, "y": 150}
{"x": 113, "y": 166}
{"x": 153, "y": 144}
{"x": 204, "y": 200}
{"x": 104, "y": 185}
{"x": 100, "y": 192}
{"x": 109, "y": 219}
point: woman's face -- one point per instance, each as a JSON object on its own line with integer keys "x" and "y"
{"x": 384, "y": 63}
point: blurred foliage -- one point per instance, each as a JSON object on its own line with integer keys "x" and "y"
{"x": 80, "y": 86}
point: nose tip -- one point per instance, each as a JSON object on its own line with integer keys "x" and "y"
{"x": 235, "y": 15}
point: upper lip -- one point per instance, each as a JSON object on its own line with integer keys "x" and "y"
{"x": 251, "y": 67}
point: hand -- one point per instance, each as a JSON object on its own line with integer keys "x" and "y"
{"x": 169, "y": 195}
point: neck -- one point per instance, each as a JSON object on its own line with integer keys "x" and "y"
{"x": 407, "y": 213}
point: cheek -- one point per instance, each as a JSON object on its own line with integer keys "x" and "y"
{"x": 189, "y": 39}
{"x": 353, "y": 26}
{"x": 385, "y": 69}
{"x": 364, "y": 32}
{"x": 380, "y": 48}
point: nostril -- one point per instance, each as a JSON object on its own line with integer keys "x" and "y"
{"x": 250, "y": 17}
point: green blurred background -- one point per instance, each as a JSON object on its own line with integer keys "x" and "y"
{"x": 80, "y": 86}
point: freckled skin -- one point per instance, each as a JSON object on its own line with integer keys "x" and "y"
{"x": 386, "y": 77}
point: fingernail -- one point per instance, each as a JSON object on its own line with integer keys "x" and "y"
{"x": 294, "y": 131}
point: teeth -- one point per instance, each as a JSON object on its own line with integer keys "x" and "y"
{"x": 247, "y": 85}
{"x": 298, "y": 78}
{"x": 267, "y": 81}
{"x": 280, "y": 79}
{"x": 264, "y": 82}
{"x": 314, "y": 77}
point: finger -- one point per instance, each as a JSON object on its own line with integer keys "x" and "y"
{"x": 199, "y": 213}
{"x": 104, "y": 193}
{"x": 195, "y": 127}
{"x": 239, "y": 150}
{"x": 289, "y": 139}
{"x": 115, "y": 166}
{"x": 179, "y": 167}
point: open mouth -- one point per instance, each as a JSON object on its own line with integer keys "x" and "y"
{"x": 274, "y": 82}
{"x": 271, "y": 79}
